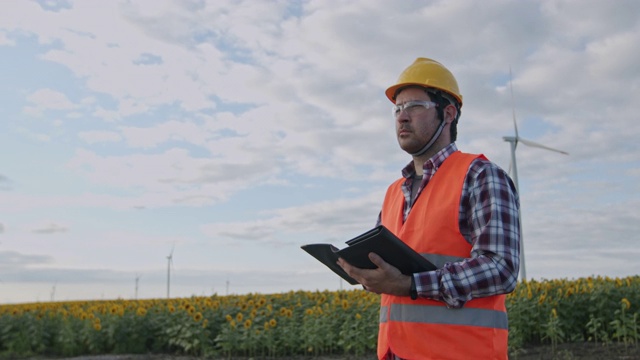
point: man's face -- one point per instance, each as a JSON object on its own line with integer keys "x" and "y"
{"x": 416, "y": 126}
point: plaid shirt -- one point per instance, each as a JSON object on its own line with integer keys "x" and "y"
{"x": 488, "y": 220}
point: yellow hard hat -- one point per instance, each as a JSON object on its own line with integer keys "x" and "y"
{"x": 426, "y": 73}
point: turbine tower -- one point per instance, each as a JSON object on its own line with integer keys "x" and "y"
{"x": 169, "y": 263}
{"x": 513, "y": 170}
{"x": 137, "y": 281}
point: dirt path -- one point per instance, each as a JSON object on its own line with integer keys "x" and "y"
{"x": 582, "y": 351}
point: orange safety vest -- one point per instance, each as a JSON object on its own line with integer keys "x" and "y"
{"x": 424, "y": 328}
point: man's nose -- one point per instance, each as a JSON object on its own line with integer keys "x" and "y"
{"x": 402, "y": 116}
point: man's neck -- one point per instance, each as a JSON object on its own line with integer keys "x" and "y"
{"x": 418, "y": 161}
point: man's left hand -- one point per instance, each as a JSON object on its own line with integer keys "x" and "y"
{"x": 386, "y": 279}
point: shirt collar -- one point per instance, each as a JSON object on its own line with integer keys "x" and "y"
{"x": 434, "y": 162}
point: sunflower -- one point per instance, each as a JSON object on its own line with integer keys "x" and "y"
{"x": 141, "y": 311}
{"x": 197, "y": 316}
{"x": 626, "y": 303}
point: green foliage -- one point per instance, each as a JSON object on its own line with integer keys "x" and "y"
{"x": 552, "y": 330}
{"x": 343, "y": 323}
{"x": 596, "y": 309}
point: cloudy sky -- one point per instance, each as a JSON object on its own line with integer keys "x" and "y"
{"x": 230, "y": 133}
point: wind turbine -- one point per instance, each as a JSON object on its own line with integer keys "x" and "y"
{"x": 137, "y": 281}
{"x": 169, "y": 263}
{"x": 513, "y": 170}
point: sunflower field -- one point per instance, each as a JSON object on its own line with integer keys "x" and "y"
{"x": 599, "y": 310}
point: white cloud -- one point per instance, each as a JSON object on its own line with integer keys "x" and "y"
{"x": 48, "y": 99}
{"x": 5, "y": 40}
{"x": 92, "y": 137}
{"x": 172, "y": 176}
{"x": 37, "y": 136}
{"x": 266, "y": 122}
{"x": 50, "y": 228}
{"x": 16, "y": 261}
{"x": 171, "y": 130}
{"x": 336, "y": 218}
{"x": 106, "y": 115}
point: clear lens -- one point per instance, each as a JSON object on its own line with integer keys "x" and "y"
{"x": 411, "y": 106}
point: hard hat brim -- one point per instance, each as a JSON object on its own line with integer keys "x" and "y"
{"x": 392, "y": 91}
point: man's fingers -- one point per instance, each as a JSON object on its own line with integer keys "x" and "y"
{"x": 348, "y": 268}
{"x": 377, "y": 260}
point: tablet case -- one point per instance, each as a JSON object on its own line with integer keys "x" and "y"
{"x": 378, "y": 240}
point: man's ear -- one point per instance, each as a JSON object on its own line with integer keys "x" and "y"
{"x": 450, "y": 113}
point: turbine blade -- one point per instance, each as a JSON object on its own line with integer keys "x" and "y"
{"x": 534, "y": 144}
{"x": 513, "y": 106}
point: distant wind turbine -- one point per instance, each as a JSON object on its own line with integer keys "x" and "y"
{"x": 53, "y": 292}
{"x": 137, "y": 281}
{"x": 169, "y": 263}
{"x": 513, "y": 169}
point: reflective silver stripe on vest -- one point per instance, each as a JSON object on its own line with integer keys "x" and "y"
{"x": 384, "y": 311}
{"x": 429, "y": 314}
{"x": 439, "y": 260}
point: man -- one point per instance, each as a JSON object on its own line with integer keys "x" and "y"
{"x": 458, "y": 210}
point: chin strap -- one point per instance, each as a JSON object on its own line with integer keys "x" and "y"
{"x": 433, "y": 140}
